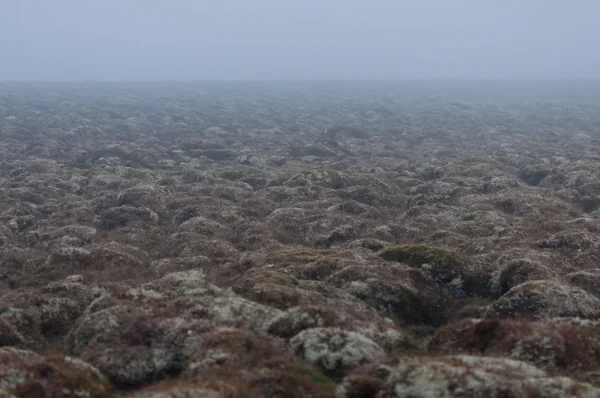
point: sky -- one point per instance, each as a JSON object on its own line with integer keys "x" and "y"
{"x": 117, "y": 40}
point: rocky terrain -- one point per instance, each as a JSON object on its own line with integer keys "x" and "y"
{"x": 242, "y": 240}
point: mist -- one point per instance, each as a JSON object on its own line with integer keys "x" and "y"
{"x": 142, "y": 40}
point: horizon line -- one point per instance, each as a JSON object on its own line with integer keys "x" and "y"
{"x": 406, "y": 80}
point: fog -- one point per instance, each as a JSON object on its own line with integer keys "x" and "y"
{"x": 298, "y": 40}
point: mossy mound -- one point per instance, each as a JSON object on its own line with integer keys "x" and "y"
{"x": 445, "y": 266}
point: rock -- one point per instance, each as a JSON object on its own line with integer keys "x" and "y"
{"x": 57, "y": 305}
{"x": 588, "y": 281}
{"x": 537, "y": 299}
{"x": 334, "y": 349}
{"x": 228, "y": 347}
{"x": 268, "y": 287}
{"x": 570, "y": 241}
{"x": 398, "y": 297}
{"x": 471, "y": 376}
{"x": 238, "y": 311}
{"x": 21, "y": 328}
{"x": 121, "y": 216}
{"x": 189, "y": 244}
{"x": 141, "y": 196}
{"x": 135, "y": 350}
{"x": 446, "y": 267}
{"x": 201, "y": 225}
{"x": 350, "y": 207}
{"x": 71, "y": 257}
{"x": 125, "y": 367}
{"x": 323, "y": 177}
{"x": 533, "y": 175}
{"x": 520, "y": 271}
{"x": 297, "y": 319}
{"x": 341, "y": 315}
{"x": 9, "y": 336}
{"x": 92, "y": 326}
{"x": 83, "y": 233}
{"x": 339, "y": 235}
{"x": 371, "y": 244}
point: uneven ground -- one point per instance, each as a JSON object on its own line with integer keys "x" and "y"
{"x": 300, "y": 240}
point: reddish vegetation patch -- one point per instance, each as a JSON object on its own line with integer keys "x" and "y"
{"x": 556, "y": 345}
{"x": 25, "y": 374}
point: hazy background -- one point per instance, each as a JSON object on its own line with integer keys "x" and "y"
{"x": 291, "y": 39}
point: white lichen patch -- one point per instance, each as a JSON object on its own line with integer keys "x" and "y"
{"x": 334, "y": 348}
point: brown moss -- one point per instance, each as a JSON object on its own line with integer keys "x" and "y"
{"x": 278, "y": 376}
{"x": 552, "y": 345}
{"x": 25, "y": 374}
{"x": 300, "y": 318}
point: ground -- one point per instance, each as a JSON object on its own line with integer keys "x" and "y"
{"x": 290, "y": 240}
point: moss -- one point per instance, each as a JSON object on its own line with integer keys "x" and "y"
{"x": 521, "y": 270}
{"x": 305, "y": 263}
{"x": 9, "y": 335}
{"x": 215, "y": 154}
{"x": 334, "y": 350}
{"x": 298, "y": 151}
{"x": 543, "y": 298}
{"x": 199, "y": 144}
{"x": 417, "y": 255}
{"x": 460, "y": 277}
{"x": 25, "y": 325}
{"x": 26, "y": 374}
{"x": 314, "y": 375}
{"x": 323, "y": 147}
{"x": 301, "y": 318}
{"x": 533, "y": 175}
{"x": 327, "y": 178}
{"x": 349, "y": 131}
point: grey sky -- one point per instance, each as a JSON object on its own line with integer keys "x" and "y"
{"x": 292, "y": 39}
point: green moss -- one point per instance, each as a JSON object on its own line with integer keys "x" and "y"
{"x": 320, "y": 378}
{"x": 315, "y": 376}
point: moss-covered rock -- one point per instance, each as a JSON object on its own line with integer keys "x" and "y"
{"x": 9, "y": 336}
{"x": 26, "y": 374}
{"x": 473, "y": 376}
{"x": 537, "y": 299}
{"x": 565, "y": 345}
{"x": 268, "y": 287}
{"x": 335, "y": 350}
{"x": 520, "y": 271}
{"x": 445, "y": 266}
{"x": 132, "y": 350}
{"x": 588, "y": 281}
{"x": 534, "y": 174}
